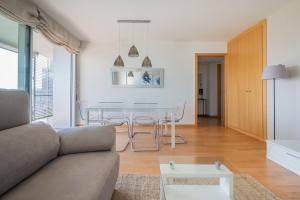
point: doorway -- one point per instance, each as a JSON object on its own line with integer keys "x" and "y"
{"x": 209, "y": 93}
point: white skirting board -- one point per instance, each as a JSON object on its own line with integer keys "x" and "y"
{"x": 286, "y": 153}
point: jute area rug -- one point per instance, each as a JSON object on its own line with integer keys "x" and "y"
{"x": 146, "y": 187}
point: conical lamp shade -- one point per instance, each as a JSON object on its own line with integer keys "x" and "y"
{"x": 119, "y": 62}
{"x": 146, "y": 74}
{"x": 133, "y": 52}
{"x": 147, "y": 62}
{"x": 130, "y": 74}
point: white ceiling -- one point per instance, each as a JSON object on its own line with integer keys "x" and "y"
{"x": 176, "y": 20}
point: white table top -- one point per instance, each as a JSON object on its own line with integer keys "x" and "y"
{"x": 134, "y": 107}
{"x": 194, "y": 170}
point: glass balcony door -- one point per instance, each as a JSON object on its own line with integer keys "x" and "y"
{"x": 52, "y": 83}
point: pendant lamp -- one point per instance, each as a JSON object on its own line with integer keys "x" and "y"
{"x": 133, "y": 52}
{"x": 130, "y": 74}
{"x": 119, "y": 61}
{"x": 147, "y": 61}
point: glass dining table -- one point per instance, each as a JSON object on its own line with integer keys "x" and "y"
{"x": 131, "y": 109}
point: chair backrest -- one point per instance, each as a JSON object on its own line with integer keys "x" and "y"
{"x": 112, "y": 114}
{"x": 145, "y": 115}
{"x": 81, "y": 107}
{"x": 181, "y": 113}
{"x": 14, "y": 108}
{"x": 146, "y": 103}
{"x": 110, "y": 102}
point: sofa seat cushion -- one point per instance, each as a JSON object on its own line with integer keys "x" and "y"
{"x": 84, "y": 176}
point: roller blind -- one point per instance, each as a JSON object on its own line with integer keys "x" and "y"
{"x": 26, "y": 12}
{"x": 42, "y": 88}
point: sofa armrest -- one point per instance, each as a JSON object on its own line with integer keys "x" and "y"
{"x": 87, "y": 139}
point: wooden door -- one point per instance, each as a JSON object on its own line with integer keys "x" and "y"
{"x": 232, "y": 86}
{"x": 245, "y": 91}
{"x": 255, "y": 84}
{"x": 242, "y": 77}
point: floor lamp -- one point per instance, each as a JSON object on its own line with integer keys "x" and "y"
{"x": 274, "y": 72}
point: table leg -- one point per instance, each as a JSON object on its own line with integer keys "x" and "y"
{"x": 102, "y": 122}
{"x": 131, "y": 129}
{"x": 87, "y": 118}
{"x": 166, "y": 125}
{"x": 166, "y": 129}
{"x": 173, "y": 139}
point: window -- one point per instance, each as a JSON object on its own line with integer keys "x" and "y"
{"x": 8, "y": 53}
{"x": 52, "y": 81}
{"x": 42, "y": 88}
{"x": 15, "y": 55}
{"x": 8, "y": 69}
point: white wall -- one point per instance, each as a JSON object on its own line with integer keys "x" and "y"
{"x": 62, "y": 94}
{"x": 177, "y": 58}
{"x": 213, "y": 90}
{"x": 284, "y": 48}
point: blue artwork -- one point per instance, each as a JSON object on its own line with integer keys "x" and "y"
{"x": 146, "y": 78}
{"x": 156, "y": 80}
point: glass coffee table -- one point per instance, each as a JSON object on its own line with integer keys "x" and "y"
{"x": 194, "y": 178}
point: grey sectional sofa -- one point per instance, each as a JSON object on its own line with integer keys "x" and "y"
{"x": 38, "y": 163}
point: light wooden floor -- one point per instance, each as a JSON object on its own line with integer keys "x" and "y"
{"x": 242, "y": 153}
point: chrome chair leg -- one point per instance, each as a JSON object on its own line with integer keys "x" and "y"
{"x": 180, "y": 140}
{"x": 155, "y": 140}
{"x": 128, "y": 133}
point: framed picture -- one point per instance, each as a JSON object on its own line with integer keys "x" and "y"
{"x": 137, "y": 77}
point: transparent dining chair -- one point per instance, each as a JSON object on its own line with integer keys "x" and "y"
{"x": 145, "y": 119}
{"x": 94, "y": 117}
{"x": 166, "y": 120}
{"x": 112, "y": 118}
{"x": 116, "y": 119}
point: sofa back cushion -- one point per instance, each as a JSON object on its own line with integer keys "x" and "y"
{"x": 14, "y": 108}
{"x": 24, "y": 150}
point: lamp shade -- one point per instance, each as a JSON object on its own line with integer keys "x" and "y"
{"x": 130, "y": 74}
{"x": 147, "y": 62}
{"x": 133, "y": 52}
{"x": 119, "y": 62}
{"x": 274, "y": 72}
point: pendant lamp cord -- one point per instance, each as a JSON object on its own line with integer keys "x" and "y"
{"x": 133, "y": 33}
{"x": 148, "y": 39}
{"x": 119, "y": 39}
